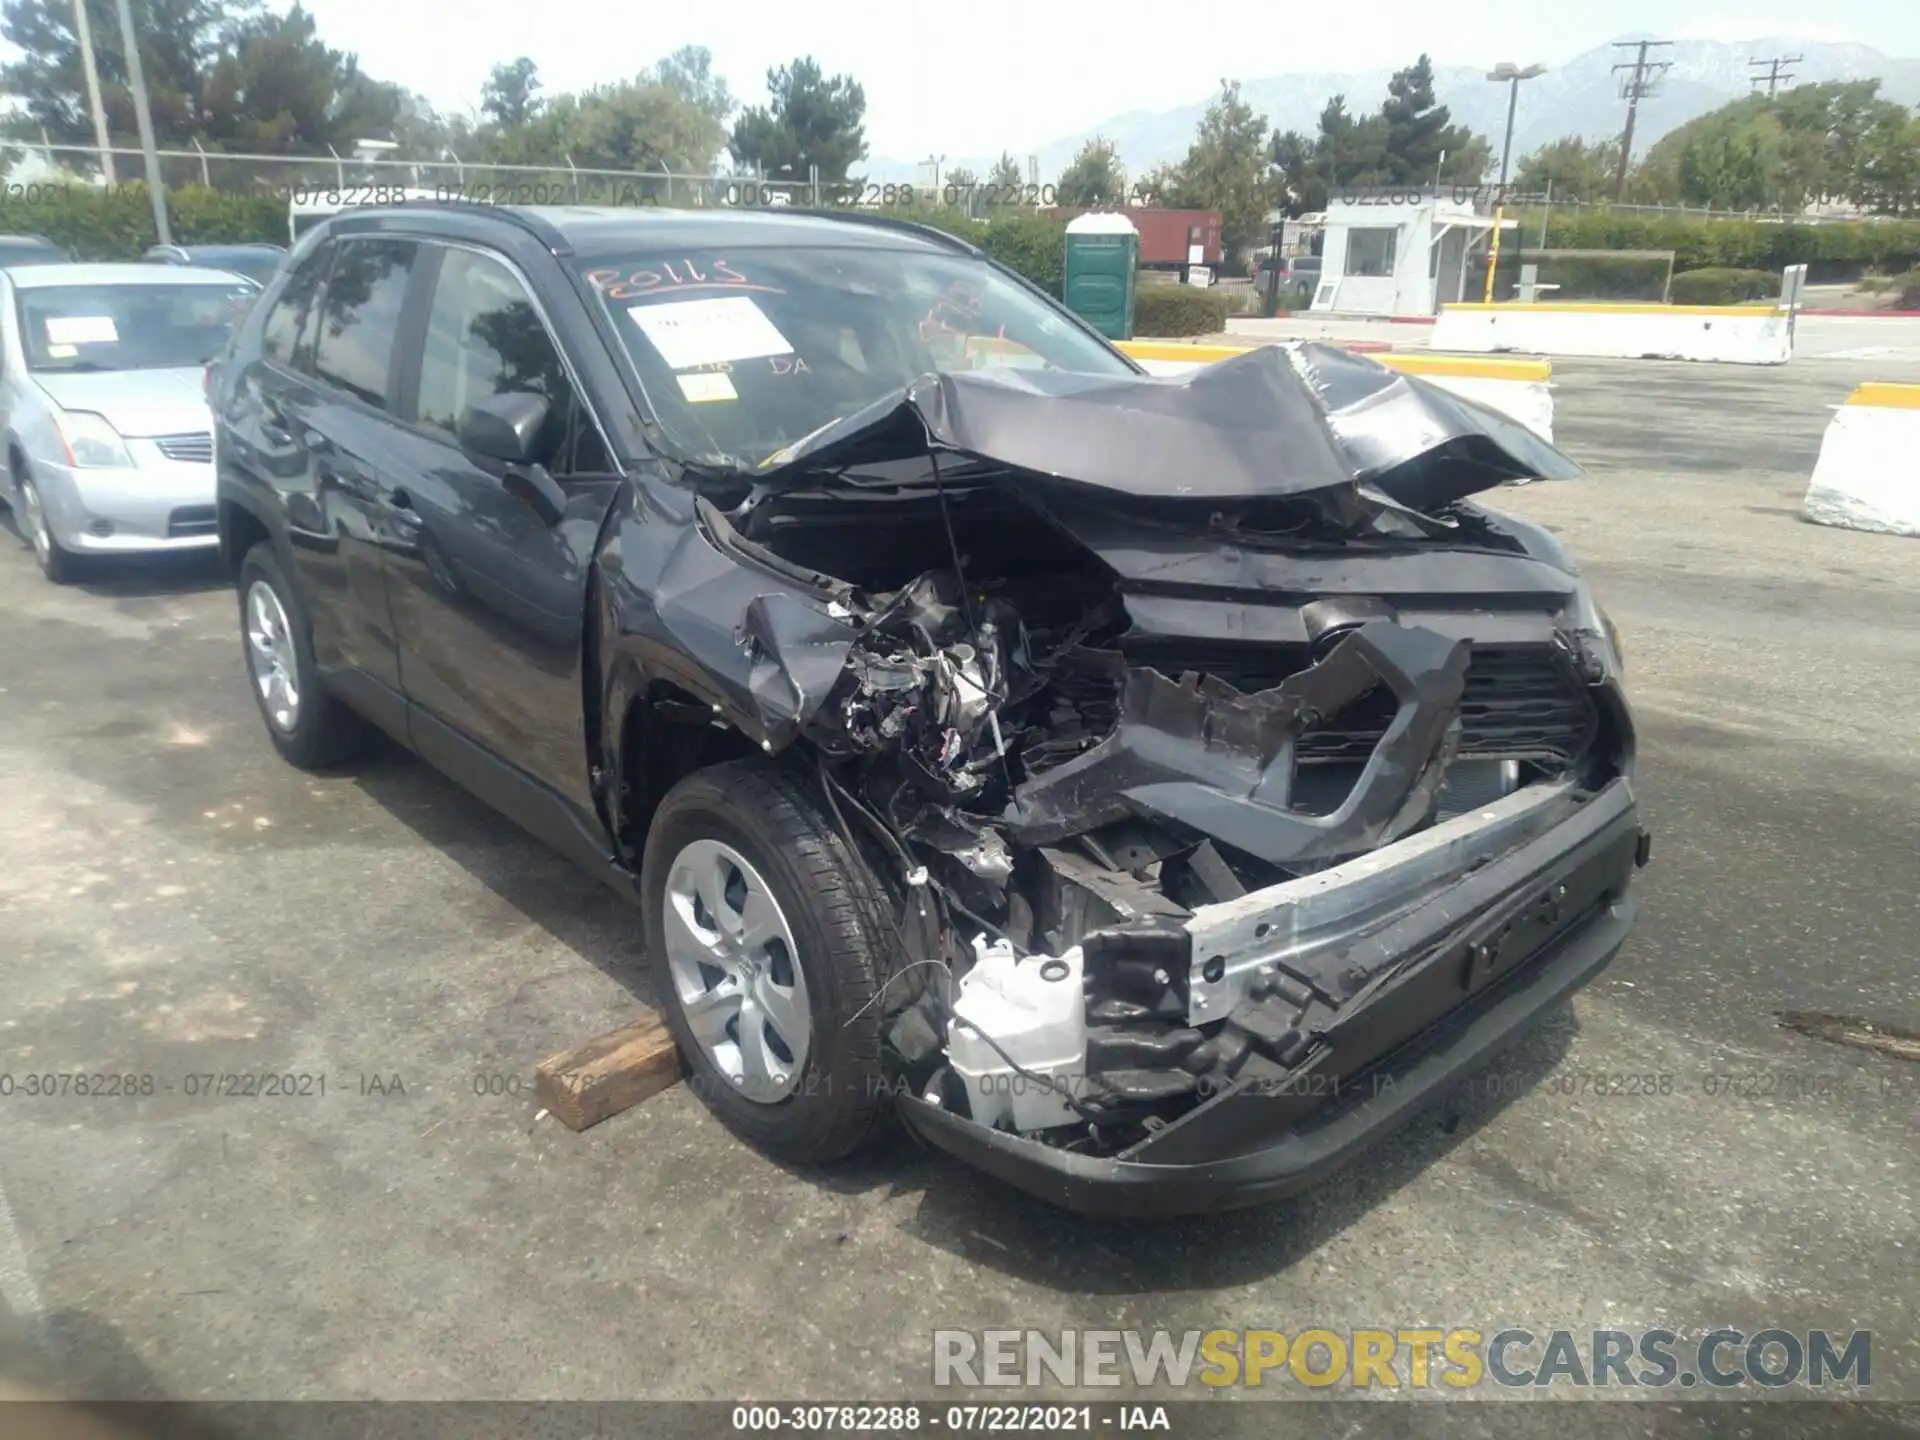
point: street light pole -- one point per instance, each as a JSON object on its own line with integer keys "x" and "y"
{"x": 83, "y": 31}
{"x": 1512, "y": 74}
{"x": 137, "y": 81}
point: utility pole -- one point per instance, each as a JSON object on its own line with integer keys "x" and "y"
{"x": 1642, "y": 76}
{"x": 1774, "y": 74}
{"x": 84, "y": 31}
{"x": 137, "y": 82}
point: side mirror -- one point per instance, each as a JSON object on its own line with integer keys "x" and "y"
{"x": 504, "y": 427}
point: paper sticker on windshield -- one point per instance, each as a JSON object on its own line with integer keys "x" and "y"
{"x": 81, "y": 330}
{"x": 706, "y": 386}
{"x": 62, "y": 352}
{"x": 689, "y": 333}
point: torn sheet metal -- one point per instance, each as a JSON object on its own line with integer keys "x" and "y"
{"x": 769, "y": 654}
{"x": 1202, "y": 755}
{"x": 1273, "y": 422}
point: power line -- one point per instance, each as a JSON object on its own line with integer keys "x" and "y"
{"x": 1775, "y": 74}
{"x": 1643, "y": 76}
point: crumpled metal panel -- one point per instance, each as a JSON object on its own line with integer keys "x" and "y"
{"x": 766, "y": 652}
{"x": 1273, "y": 422}
{"x": 1221, "y": 763}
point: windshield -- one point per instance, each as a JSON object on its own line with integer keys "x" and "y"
{"x": 742, "y": 352}
{"x": 259, "y": 265}
{"x": 30, "y": 252}
{"x": 128, "y": 327}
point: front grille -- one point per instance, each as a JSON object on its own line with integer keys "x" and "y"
{"x": 193, "y": 449}
{"x": 191, "y": 520}
{"x": 1522, "y": 702}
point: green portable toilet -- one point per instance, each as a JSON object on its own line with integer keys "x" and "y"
{"x": 1103, "y": 254}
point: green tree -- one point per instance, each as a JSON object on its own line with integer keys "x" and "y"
{"x": 1006, "y": 173}
{"x": 509, "y": 98}
{"x": 180, "y": 40}
{"x": 1225, "y": 169}
{"x": 1095, "y": 177}
{"x": 1422, "y": 142}
{"x": 1410, "y": 140}
{"x": 631, "y": 125}
{"x": 1835, "y": 141}
{"x": 279, "y": 89}
{"x": 688, "y": 72}
{"x": 1569, "y": 169}
{"x": 810, "y": 120}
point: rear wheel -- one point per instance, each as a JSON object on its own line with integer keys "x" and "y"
{"x": 309, "y": 727}
{"x": 765, "y": 932}
{"x": 56, "y": 562}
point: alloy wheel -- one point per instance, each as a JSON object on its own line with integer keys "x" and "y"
{"x": 270, "y": 655}
{"x": 731, "y": 953}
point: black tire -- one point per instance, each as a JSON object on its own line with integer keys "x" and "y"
{"x": 58, "y": 564}
{"x": 837, "y": 912}
{"x": 325, "y": 732}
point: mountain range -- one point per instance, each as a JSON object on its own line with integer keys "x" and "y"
{"x": 1580, "y": 98}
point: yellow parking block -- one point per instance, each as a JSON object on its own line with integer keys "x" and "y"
{"x": 1602, "y": 308}
{"x": 1886, "y": 395}
{"x": 1414, "y": 362}
{"x": 1408, "y": 362}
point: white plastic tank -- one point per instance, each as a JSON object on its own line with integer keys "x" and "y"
{"x": 1035, "y": 1010}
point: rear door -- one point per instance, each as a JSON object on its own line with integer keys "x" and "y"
{"x": 325, "y": 414}
{"x": 489, "y": 598}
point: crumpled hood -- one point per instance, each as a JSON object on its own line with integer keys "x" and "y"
{"x": 137, "y": 403}
{"x": 1276, "y": 421}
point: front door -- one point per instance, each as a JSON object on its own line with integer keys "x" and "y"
{"x": 489, "y": 598}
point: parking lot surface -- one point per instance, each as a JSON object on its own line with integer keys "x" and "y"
{"x": 175, "y": 902}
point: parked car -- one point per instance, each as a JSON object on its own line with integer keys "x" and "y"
{"x": 31, "y": 250}
{"x": 108, "y": 446}
{"x": 1150, "y": 789}
{"x": 1291, "y": 274}
{"x": 256, "y": 262}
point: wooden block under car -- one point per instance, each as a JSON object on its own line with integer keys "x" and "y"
{"x": 610, "y": 1073}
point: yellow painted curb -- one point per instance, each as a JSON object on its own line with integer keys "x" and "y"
{"x": 1406, "y": 362}
{"x": 1174, "y": 350}
{"x": 1415, "y": 363}
{"x": 1886, "y": 395}
{"x": 1543, "y": 308}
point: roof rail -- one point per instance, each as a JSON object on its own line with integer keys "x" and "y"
{"x": 534, "y": 224}
{"x": 890, "y": 222}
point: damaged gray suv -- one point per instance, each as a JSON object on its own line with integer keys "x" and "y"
{"x": 1147, "y": 789}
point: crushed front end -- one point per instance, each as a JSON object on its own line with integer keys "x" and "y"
{"x": 1229, "y": 820}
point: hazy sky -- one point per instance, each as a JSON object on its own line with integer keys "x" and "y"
{"x": 974, "y": 77}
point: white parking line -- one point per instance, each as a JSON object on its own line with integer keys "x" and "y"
{"x": 17, "y": 1285}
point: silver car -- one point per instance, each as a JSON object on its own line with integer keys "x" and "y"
{"x": 103, "y": 407}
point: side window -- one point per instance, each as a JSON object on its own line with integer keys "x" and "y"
{"x": 280, "y": 334}
{"x": 484, "y": 338}
{"x": 360, "y": 316}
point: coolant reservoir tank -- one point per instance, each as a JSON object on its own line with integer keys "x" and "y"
{"x": 1035, "y": 1010}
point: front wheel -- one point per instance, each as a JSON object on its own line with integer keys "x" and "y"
{"x": 56, "y": 562}
{"x": 309, "y": 727}
{"x": 765, "y": 931}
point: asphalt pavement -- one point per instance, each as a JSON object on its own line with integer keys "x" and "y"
{"x": 175, "y": 902}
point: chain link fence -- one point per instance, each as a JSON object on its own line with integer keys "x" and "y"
{"x": 351, "y": 176}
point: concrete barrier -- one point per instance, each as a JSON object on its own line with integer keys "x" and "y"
{"x": 1737, "y": 334}
{"x": 1522, "y": 390}
{"x": 1867, "y": 476}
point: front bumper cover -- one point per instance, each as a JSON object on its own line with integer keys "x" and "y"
{"x": 1484, "y": 956}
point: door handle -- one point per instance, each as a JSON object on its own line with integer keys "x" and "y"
{"x": 277, "y": 433}
{"x": 401, "y": 500}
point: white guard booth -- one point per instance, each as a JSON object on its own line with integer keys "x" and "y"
{"x": 1401, "y": 250}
